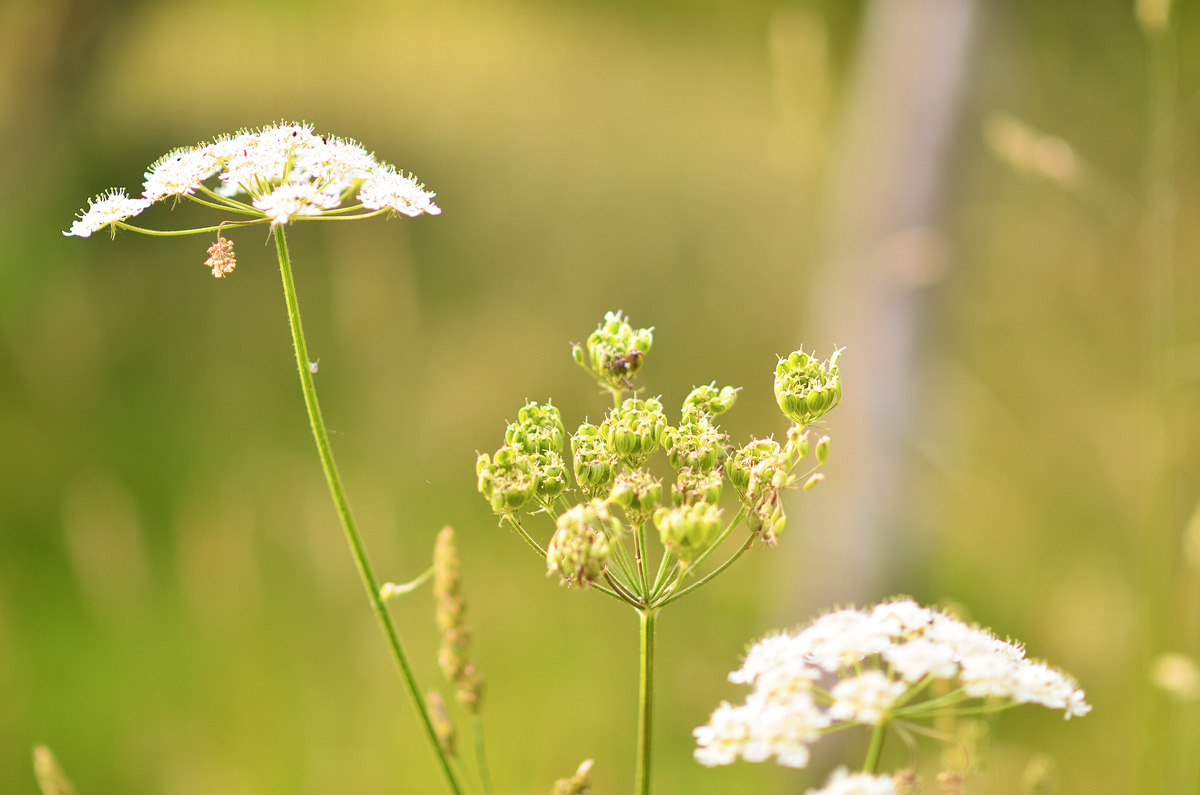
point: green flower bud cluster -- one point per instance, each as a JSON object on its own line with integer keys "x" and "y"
{"x": 692, "y": 486}
{"x": 538, "y": 429}
{"x": 614, "y": 352}
{"x": 695, "y": 445}
{"x": 633, "y": 431}
{"x": 595, "y": 464}
{"x": 579, "y": 550}
{"x": 805, "y": 388}
{"x": 687, "y": 530}
{"x": 638, "y": 492}
{"x": 508, "y": 480}
{"x": 708, "y": 400}
{"x": 530, "y": 466}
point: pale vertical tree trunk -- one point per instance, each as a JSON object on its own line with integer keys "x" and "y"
{"x": 880, "y": 246}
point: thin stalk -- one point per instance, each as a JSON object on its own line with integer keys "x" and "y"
{"x": 679, "y": 594}
{"x": 703, "y": 556}
{"x": 224, "y": 207}
{"x": 197, "y": 231}
{"x": 343, "y": 511}
{"x": 485, "y": 777}
{"x": 534, "y": 545}
{"x": 874, "y": 749}
{"x": 641, "y": 782}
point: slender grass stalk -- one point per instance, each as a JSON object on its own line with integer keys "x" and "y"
{"x": 641, "y": 783}
{"x": 343, "y": 511}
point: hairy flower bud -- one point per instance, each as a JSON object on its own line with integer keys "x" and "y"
{"x": 507, "y": 480}
{"x": 805, "y": 388}
{"x": 687, "y": 530}
{"x": 594, "y": 464}
{"x": 695, "y": 445}
{"x": 638, "y": 492}
{"x": 634, "y": 431}
{"x": 579, "y": 550}
{"x": 708, "y": 401}
{"x": 615, "y": 351}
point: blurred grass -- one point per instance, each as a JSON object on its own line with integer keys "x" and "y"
{"x": 177, "y": 611}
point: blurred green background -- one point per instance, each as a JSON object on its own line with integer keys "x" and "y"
{"x": 178, "y": 612}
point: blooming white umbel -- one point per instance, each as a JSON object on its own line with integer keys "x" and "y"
{"x": 285, "y": 172}
{"x": 884, "y": 656}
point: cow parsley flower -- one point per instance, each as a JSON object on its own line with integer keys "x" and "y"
{"x": 883, "y": 657}
{"x": 284, "y": 171}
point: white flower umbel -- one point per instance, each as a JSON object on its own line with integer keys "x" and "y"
{"x": 866, "y": 698}
{"x": 275, "y": 174}
{"x": 846, "y": 783}
{"x": 885, "y": 658}
{"x": 107, "y": 208}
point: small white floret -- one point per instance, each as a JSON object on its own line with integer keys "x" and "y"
{"x": 105, "y": 209}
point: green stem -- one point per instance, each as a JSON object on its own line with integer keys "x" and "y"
{"x": 641, "y": 783}
{"x": 198, "y": 231}
{"x": 485, "y": 777}
{"x": 680, "y": 594}
{"x": 343, "y": 510}
{"x": 872, "y": 760}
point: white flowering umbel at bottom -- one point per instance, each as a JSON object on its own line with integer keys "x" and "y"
{"x": 894, "y": 666}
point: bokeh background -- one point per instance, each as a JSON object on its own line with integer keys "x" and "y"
{"x": 178, "y": 612}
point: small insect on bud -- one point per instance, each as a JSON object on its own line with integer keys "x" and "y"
{"x": 221, "y": 259}
{"x": 805, "y": 388}
{"x": 615, "y": 351}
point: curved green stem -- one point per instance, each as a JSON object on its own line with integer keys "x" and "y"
{"x": 198, "y": 231}
{"x": 641, "y": 782}
{"x": 343, "y": 510}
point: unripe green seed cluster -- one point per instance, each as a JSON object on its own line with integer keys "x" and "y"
{"x": 805, "y": 388}
{"x": 615, "y": 497}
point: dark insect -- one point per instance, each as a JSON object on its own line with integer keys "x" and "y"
{"x": 624, "y": 365}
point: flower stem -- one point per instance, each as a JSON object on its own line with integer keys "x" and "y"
{"x": 872, "y": 760}
{"x": 343, "y": 509}
{"x": 641, "y": 784}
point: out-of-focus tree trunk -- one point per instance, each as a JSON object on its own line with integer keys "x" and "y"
{"x": 880, "y": 247}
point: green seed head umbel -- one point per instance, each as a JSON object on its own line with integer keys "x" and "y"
{"x": 634, "y": 431}
{"x": 614, "y": 352}
{"x": 805, "y": 388}
{"x": 538, "y": 429}
{"x": 594, "y": 464}
{"x": 508, "y": 479}
{"x": 687, "y": 530}
{"x": 579, "y": 550}
{"x": 638, "y": 492}
{"x": 708, "y": 401}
